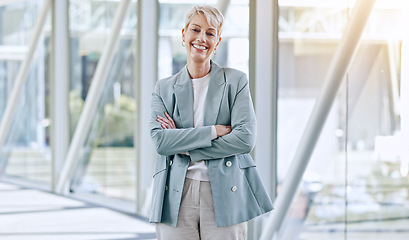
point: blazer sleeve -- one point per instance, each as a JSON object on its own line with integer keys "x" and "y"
{"x": 174, "y": 141}
{"x": 243, "y": 135}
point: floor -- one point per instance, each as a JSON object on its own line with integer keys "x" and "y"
{"x": 31, "y": 214}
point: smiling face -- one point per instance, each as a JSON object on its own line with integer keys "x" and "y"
{"x": 201, "y": 39}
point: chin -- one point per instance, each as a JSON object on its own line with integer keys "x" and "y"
{"x": 200, "y": 59}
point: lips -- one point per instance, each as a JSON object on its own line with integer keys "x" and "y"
{"x": 199, "y": 47}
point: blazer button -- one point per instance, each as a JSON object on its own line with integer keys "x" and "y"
{"x": 228, "y": 163}
{"x": 170, "y": 163}
{"x": 234, "y": 188}
{"x": 166, "y": 188}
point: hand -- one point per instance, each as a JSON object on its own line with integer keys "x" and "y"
{"x": 222, "y": 130}
{"x": 166, "y": 123}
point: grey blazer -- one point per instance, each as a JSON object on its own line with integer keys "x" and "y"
{"x": 238, "y": 193}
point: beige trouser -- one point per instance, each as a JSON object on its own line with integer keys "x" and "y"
{"x": 196, "y": 217}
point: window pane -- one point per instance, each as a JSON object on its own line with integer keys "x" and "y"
{"x": 26, "y": 152}
{"x": 309, "y": 32}
{"x": 377, "y": 174}
{"x": 355, "y": 186}
{"x": 107, "y": 164}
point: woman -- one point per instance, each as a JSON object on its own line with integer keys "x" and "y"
{"x": 203, "y": 127}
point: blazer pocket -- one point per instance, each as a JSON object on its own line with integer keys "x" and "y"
{"x": 160, "y": 165}
{"x": 245, "y": 161}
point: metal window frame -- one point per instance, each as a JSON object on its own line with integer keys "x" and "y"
{"x": 59, "y": 131}
{"x": 266, "y": 87}
{"x": 147, "y": 66}
{"x": 404, "y": 86}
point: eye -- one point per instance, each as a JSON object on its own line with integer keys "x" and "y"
{"x": 195, "y": 30}
{"x": 210, "y": 34}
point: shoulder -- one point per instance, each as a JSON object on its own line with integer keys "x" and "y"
{"x": 232, "y": 72}
{"x": 166, "y": 84}
{"x": 168, "y": 81}
{"x": 235, "y": 77}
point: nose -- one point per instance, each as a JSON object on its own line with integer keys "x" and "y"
{"x": 201, "y": 37}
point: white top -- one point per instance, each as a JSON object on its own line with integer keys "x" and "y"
{"x": 198, "y": 170}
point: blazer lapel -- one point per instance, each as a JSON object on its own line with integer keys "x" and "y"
{"x": 184, "y": 98}
{"x": 214, "y": 94}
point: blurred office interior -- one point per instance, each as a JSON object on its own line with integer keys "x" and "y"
{"x": 329, "y": 81}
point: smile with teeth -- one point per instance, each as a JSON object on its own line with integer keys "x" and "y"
{"x": 199, "y": 47}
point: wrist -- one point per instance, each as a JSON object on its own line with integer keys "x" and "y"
{"x": 214, "y": 132}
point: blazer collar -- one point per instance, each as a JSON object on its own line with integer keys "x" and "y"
{"x": 216, "y": 75}
{"x": 184, "y": 96}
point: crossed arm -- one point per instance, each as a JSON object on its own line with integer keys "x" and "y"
{"x": 231, "y": 140}
{"x": 168, "y": 123}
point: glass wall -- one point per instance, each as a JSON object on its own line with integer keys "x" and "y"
{"x": 355, "y": 186}
{"x": 26, "y": 152}
{"x": 357, "y": 181}
{"x": 377, "y": 169}
{"x": 107, "y": 166}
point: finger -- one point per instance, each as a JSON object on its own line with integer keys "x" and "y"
{"x": 164, "y": 123}
{"x": 169, "y": 117}
{"x": 167, "y": 125}
{"x": 170, "y": 120}
{"x": 160, "y": 117}
{"x": 161, "y": 121}
{"x": 167, "y": 122}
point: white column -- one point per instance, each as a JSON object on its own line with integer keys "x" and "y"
{"x": 59, "y": 88}
{"x": 404, "y": 84}
{"x": 404, "y": 101}
{"x": 266, "y": 67}
{"x": 263, "y": 69}
{"x": 147, "y": 72}
{"x": 40, "y": 96}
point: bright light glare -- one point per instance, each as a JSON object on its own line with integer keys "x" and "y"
{"x": 395, "y": 4}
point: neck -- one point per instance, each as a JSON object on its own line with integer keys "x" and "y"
{"x": 198, "y": 70}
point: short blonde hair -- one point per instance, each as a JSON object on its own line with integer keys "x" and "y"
{"x": 213, "y": 16}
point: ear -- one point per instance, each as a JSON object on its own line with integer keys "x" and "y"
{"x": 218, "y": 42}
{"x": 183, "y": 34}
